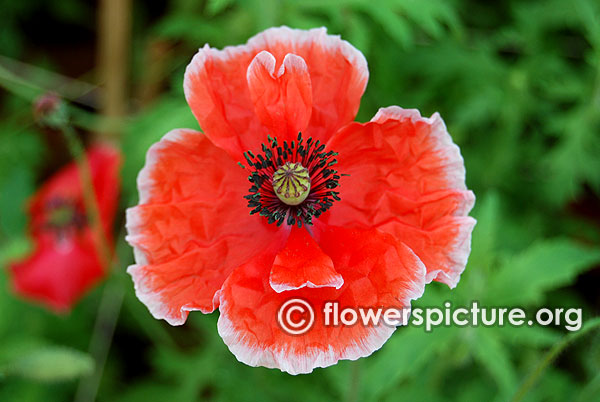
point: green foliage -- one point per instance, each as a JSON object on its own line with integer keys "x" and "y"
{"x": 48, "y": 364}
{"x": 147, "y": 128}
{"x": 20, "y": 152}
{"x": 546, "y": 265}
{"x": 488, "y": 354}
{"x": 518, "y": 84}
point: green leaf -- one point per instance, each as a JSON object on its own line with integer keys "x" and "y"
{"x": 485, "y": 232}
{"x": 530, "y": 336}
{"x": 214, "y": 7}
{"x": 546, "y": 265}
{"x": 492, "y": 354}
{"x": 149, "y": 127}
{"x": 50, "y": 364}
{"x": 403, "y": 356}
{"x": 395, "y": 26}
{"x": 14, "y": 249}
{"x": 590, "y": 391}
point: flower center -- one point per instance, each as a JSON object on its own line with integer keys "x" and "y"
{"x": 63, "y": 215}
{"x": 292, "y": 182}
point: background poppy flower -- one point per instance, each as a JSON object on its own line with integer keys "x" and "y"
{"x": 283, "y": 105}
{"x": 65, "y": 261}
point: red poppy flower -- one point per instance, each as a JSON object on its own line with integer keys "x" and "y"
{"x": 65, "y": 262}
{"x": 318, "y": 207}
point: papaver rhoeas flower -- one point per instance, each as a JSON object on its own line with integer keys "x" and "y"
{"x": 65, "y": 260}
{"x": 284, "y": 197}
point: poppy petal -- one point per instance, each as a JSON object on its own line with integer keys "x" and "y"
{"x": 407, "y": 177}
{"x": 57, "y": 275}
{"x": 302, "y": 263}
{"x": 378, "y": 271}
{"x": 104, "y": 163}
{"x": 65, "y": 262}
{"x": 282, "y": 100}
{"x": 192, "y": 227}
{"x": 217, "y": 91}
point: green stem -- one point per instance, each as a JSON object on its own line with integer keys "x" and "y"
{"x": 89, "y": 195}
{"x": 102, "y": 335}
{"x": 18, "y": 86}
{"x": 108, "y": 315}
{"x": 40, "y": 80}
{"x": 354, "y": 386}
{"x": 551, "y": 356}
{"x": 30, "y": 92}
{"x": 112, "y": 297}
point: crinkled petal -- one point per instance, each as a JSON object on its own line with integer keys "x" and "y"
{"x": 302, "y": 263}
{"x": 283, "y": 99}
{"x": 217, "y": 91}
{"x": 192, "y": 227}
{"x": 407, "y": 177}
{"x": 377, "y": 270}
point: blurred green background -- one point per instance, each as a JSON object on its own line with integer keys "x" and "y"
{"x": 518, "y": 84}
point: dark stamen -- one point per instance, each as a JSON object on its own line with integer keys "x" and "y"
{"x": 311, "y": 156}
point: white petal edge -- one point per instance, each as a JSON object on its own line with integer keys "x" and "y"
{"x": 315, "y": 357}
{"x": 282, "y": 33}
{"x": 151, "y": 299}
{"x": 145, "y": 185}
{"x": 459, "y": 254}
{"x": 279, "y": 287}
{"x": 455, "y": 174}
{"x": 445, "y": 145}
{"x": 144, "y": 181}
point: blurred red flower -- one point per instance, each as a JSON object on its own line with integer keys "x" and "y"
{"x": 392, "y": 219}
{"x": 66, "y": 260}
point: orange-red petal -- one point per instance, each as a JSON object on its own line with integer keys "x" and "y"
{"x": 283, "y": 99}
{"x": 192, "y": 227}
{"x": 217, "y": 91}
{"x": 302, "y": 263}
{"x": 378, "y": 271}
{"x": 407, "y": 178}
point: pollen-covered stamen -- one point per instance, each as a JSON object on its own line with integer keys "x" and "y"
{"x": 292, "y": 182}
